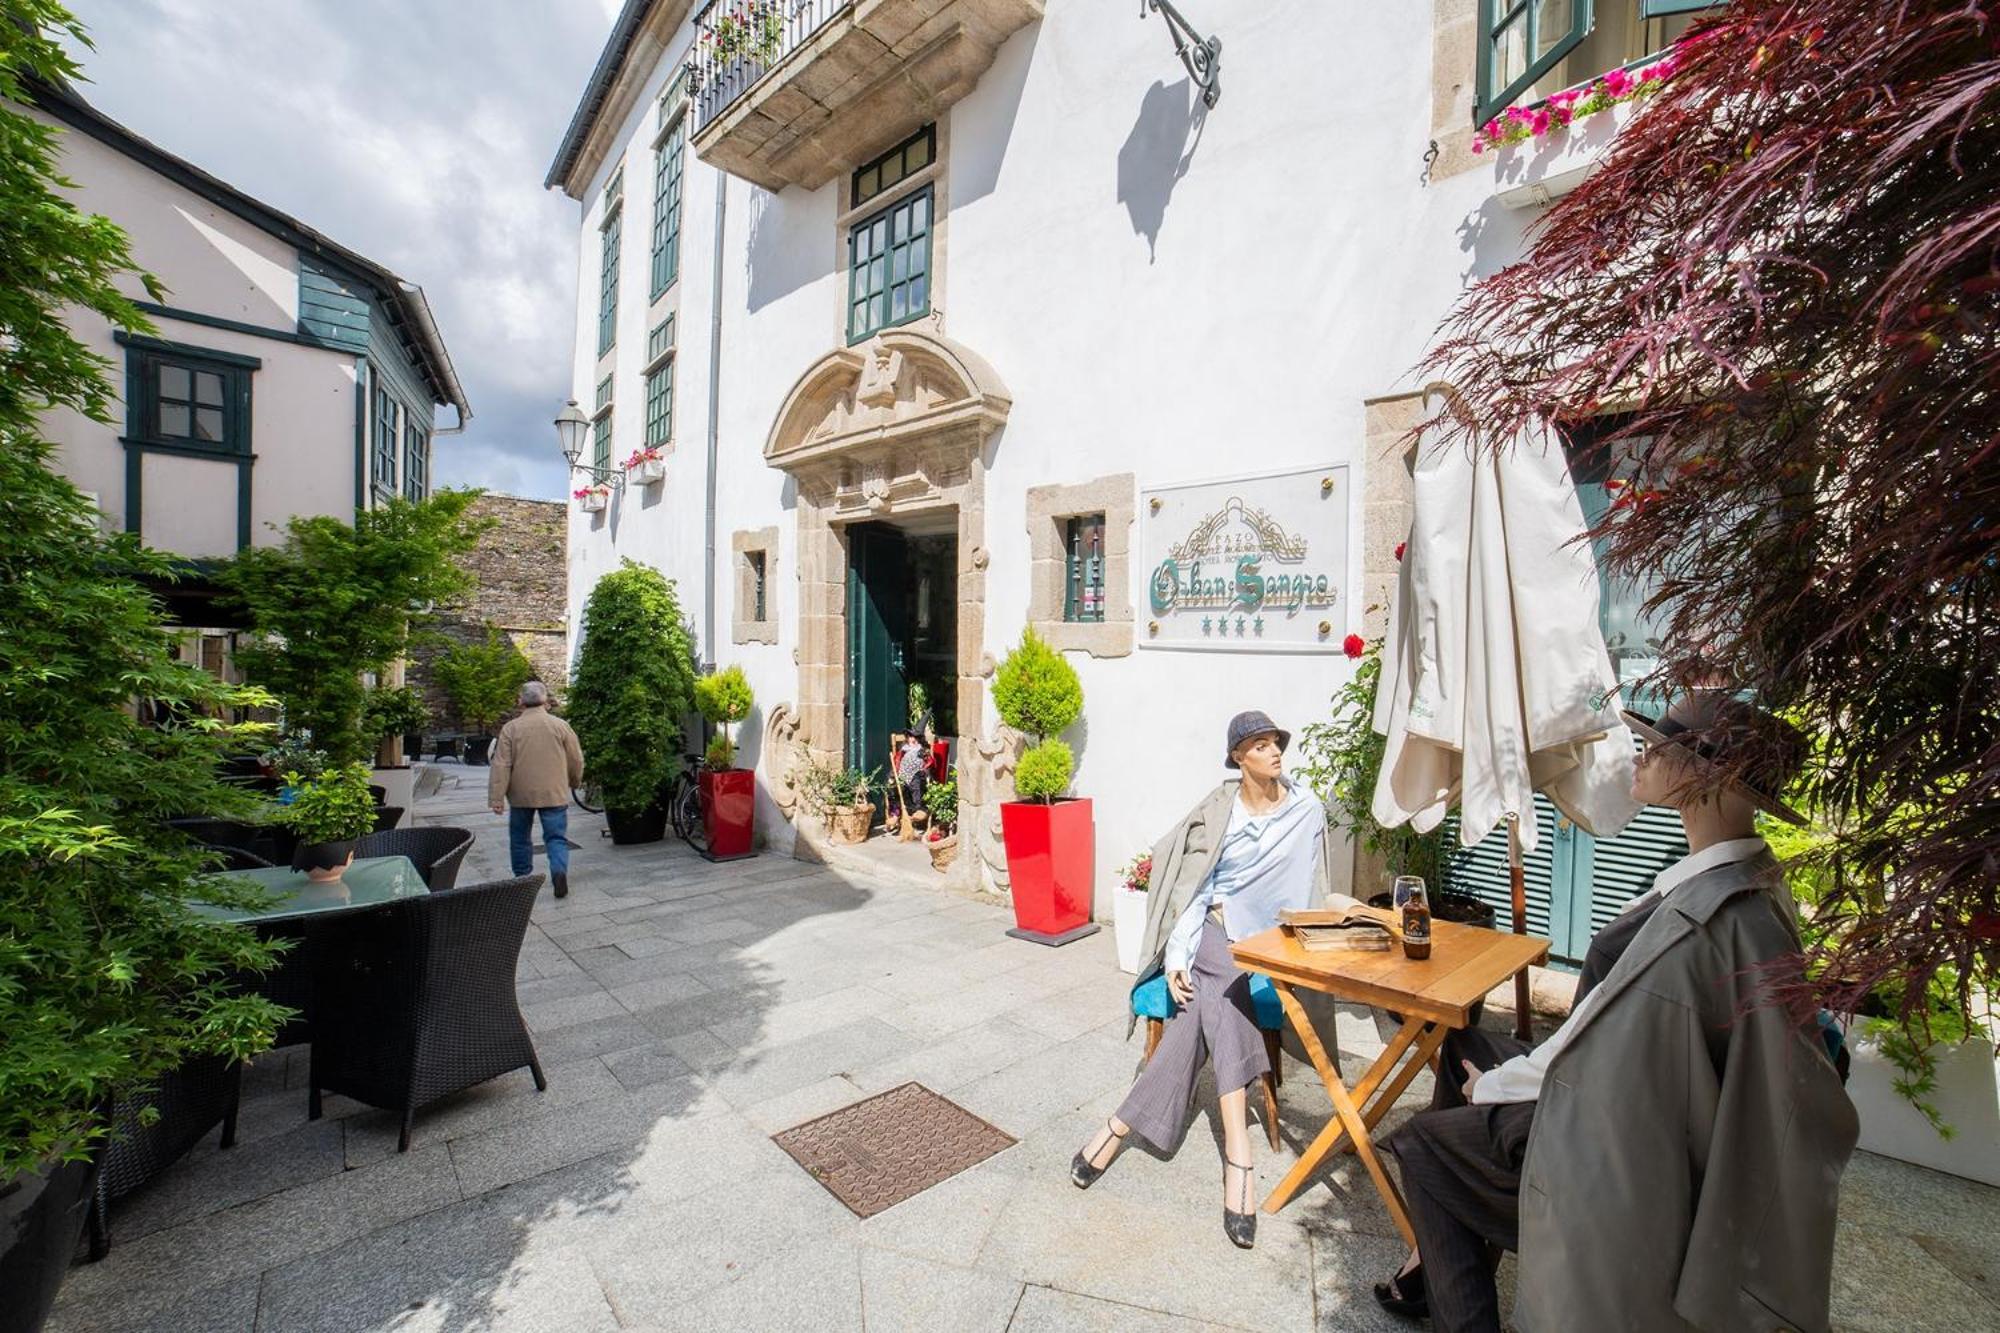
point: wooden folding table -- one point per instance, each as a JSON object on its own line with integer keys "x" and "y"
{"x": 1433, "y": 996}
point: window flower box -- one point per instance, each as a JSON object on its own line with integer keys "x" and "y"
{"x": 1543, "y": 152}
{"x": 592, "y": 499}
{"x": 646, "y": 466}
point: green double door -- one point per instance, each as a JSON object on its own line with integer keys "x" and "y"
{"x": 878, "y": 645}
{"x": 1575, "y": 882}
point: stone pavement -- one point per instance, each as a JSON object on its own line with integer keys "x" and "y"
{"x": 685, "y": 1012}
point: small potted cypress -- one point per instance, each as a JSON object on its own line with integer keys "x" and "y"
{"x": 1051, "y": 837}
{"x": 328, "y": 813}
{"x": 728, "y": 793}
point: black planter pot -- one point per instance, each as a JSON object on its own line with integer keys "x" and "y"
{"x": 476, "y": 748}
{"x": 631, "y": 826}
{"x": 41, "y": 1216}
{"x": 413, "y": 746}
{"x": 322, "y": 855}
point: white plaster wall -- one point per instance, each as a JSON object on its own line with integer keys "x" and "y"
{"x": 302, "y": 398}
{"x": 1176, "y": 294}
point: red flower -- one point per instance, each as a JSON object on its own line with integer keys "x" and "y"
{"x": 1399, "y": 549}
{"x": 1354, "y": 645}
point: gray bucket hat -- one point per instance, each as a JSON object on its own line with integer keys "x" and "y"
{"x": 1253, "y": 723}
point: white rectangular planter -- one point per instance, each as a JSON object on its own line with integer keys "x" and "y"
{"x": 645, "y": 474}
{"x": 1538, "y": 171}
{"x": 1965, "y": 1096}
{"x": 1128, "y": 925}
{"x": 593, "y": 502}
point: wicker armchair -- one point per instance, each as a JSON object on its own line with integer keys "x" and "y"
{"x": 190, "y": 1101}
{"x": 387, "y": 817}
{"x": 415, "y": 1000}
{"x": 436, "y": 851}
{"x": 237, "y": 858}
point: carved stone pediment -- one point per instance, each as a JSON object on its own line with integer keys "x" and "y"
{"x": 886, "y": 423}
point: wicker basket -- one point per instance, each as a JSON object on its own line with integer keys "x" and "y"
{"x": 943, "y": 852}
{"x": 850, "y": 825}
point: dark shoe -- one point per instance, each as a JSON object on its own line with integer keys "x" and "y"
{"x": 1241, "y": 1228}
{"x": 1081, "y": 1173}
{"x": 1404, "y": 1295}
{"x": 561, "y": 880}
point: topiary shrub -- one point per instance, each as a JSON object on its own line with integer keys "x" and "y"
{"x": 332, "y": 807}
{"x": 633, "y": 684}
{"x": 724, "y": 698}
{"x": 1038, "y": 693}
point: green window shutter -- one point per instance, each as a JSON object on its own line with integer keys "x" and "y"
{"x": 1657, "y": 9}
{"x": 388, "y": 435}
{"x": 416, "y": 462}
{"x": 600, "y": 442}
{"x": 888, "y": 267}
{"x": 1620, "y": 869}
{"x": 1481, "y": 870}
{"x": 668, "y": 161}
{"x": 1083, "y": 586}
{"x": 660, "y": 404}
{"x": 607, "y": 278}
{"x": 1520, "y": 41}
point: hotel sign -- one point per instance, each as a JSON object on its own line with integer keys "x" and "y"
{"x": 1254, "y": 564}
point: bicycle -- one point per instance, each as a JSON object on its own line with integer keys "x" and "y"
{"x": 588, "y": 797}
{"x": 684, "y": 809}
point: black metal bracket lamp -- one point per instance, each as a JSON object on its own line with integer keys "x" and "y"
{"x": 1202, "y": 56}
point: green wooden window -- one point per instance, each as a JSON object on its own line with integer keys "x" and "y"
{"x": 757, "y": 602}
{"x": 889, "y": 267}
{"x": 660, "y": 340}
{"x": 1083, "y": 589}
{"x": 388, "y": 437}
{"x": 900, "y": 163}
{"x": 600, "y": 441}
{"x": 416, "y": 461}
{"x": 607, "y": 266}
{"x": 603, "y": 395}
{"x": 668, "y": 161}
{"x": 186, "y": 401}
{"x": 660, "y": 403}
{"x": 1659, "y": 9}
{"x": 1522, "y": 40}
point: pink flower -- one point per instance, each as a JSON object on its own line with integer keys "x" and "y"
{"x": 1618, "y": 82}
{"x": 1540, "y": 124}
{"x": 1354, "y": 646}
{"x": 1478, "y": 147}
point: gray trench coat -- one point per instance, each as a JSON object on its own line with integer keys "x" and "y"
{"x": 1685, "y": 1162}
{"x": 1182, "y": 861}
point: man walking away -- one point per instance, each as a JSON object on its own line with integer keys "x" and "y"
{"x": 535, "y": 765}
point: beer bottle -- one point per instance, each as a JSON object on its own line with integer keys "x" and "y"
{"x": 1416, "y": 927}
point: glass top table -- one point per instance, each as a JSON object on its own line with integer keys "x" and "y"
{"x": 369, "y": 882}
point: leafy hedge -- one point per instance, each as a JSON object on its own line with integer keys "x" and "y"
{"x": 633, "y": 685}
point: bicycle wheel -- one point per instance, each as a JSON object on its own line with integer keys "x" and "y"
{"x": 687, "y": 814}
{"x": 588, "y": 797}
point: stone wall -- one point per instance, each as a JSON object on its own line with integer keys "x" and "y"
{"x": 521, "y": 563}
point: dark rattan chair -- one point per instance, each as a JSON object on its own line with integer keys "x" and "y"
{"x": 415, "y": 1000}
{"x": 436, "y": 851}
{"x": 191, "y": 1100}
{"x": 236, "y": 858}
{"x": 386, "y": 817}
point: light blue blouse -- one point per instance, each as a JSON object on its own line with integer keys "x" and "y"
{"x": 1267, "y": 864}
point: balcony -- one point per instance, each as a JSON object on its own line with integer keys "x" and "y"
{"x": 795, "y": 92}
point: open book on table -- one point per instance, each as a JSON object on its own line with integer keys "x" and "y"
{"x": 1357, "y": 928}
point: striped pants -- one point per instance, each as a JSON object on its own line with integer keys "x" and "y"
{"x": 1218, "y": 1026}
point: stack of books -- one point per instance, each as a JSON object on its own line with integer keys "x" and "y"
{"x": 1356, "y": 929}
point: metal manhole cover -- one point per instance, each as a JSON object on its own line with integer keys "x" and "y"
{"x": 876, "y": 1153}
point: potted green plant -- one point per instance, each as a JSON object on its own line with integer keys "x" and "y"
{"x": 849, "y": 811}
{"x": 391, "y": 712}
{"x": 941, "y": 804}
{"x": 1050, "y": 837}
{"x": 483, "y": 680}
{"x": 328, "y": 813}
{"x": 728, "y": 793}
{"x": 633, "y": 683}
{"x": 108, "y": 981}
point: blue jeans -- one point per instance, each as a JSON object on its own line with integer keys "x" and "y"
{"x": 555, "y": 833}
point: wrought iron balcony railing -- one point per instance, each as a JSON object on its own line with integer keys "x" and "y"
{"x": 738, "y": 41}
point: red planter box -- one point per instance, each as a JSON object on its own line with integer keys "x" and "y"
{"x": 728, "y": 810}
{"x": 1052, "y": 864}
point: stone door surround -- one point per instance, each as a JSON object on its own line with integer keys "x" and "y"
{"x": 894, "y": 428}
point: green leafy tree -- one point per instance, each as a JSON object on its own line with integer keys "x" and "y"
{"x": 724, "y": 699}
{"x": 393, "y": 712}
{"x": 483, "y": 680}
{"x": 337, "y": 599}
{"x": 1037, "y": 692}
{"x": 634, "y": 682}
{"x": 107, "y": 980}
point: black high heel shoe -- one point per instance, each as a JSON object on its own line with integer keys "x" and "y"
{"x": 1081, "y": 1173}
{"x": 1241, "y": 1228}
{"x": 1404, "y": 1295}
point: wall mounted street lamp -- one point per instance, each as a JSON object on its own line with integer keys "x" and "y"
{"x": 1203, "y": 58}
{"x": 571, "y": 428}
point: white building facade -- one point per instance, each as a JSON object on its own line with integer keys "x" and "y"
{"x": 953, "y": 317}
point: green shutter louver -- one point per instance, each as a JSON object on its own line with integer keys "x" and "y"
{"x": 1658, "y": 9}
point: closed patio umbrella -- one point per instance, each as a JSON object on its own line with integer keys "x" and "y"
{"x": 1496, "y": 682}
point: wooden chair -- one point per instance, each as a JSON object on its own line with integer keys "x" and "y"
{"x": 1153, "y": 1003}
{"x": 907, "y": 821}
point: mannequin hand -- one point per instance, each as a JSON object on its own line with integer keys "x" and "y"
{"x": 1181, "y": 986}
{"x": 1472, "y": 1073}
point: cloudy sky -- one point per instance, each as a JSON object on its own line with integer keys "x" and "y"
{"x": 414, "y": 131}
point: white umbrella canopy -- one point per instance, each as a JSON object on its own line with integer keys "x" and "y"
{"x": 1496, "y": 682}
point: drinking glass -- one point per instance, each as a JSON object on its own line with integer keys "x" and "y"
{"x": 1408, "y": 887}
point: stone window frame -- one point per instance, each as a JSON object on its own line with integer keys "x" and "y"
{"x": 933, "y": 177}
{"x": 743, "y": 626}
{"x": 1049, "y": 510}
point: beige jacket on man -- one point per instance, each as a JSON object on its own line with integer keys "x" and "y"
{"x": 536, "y": 762}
